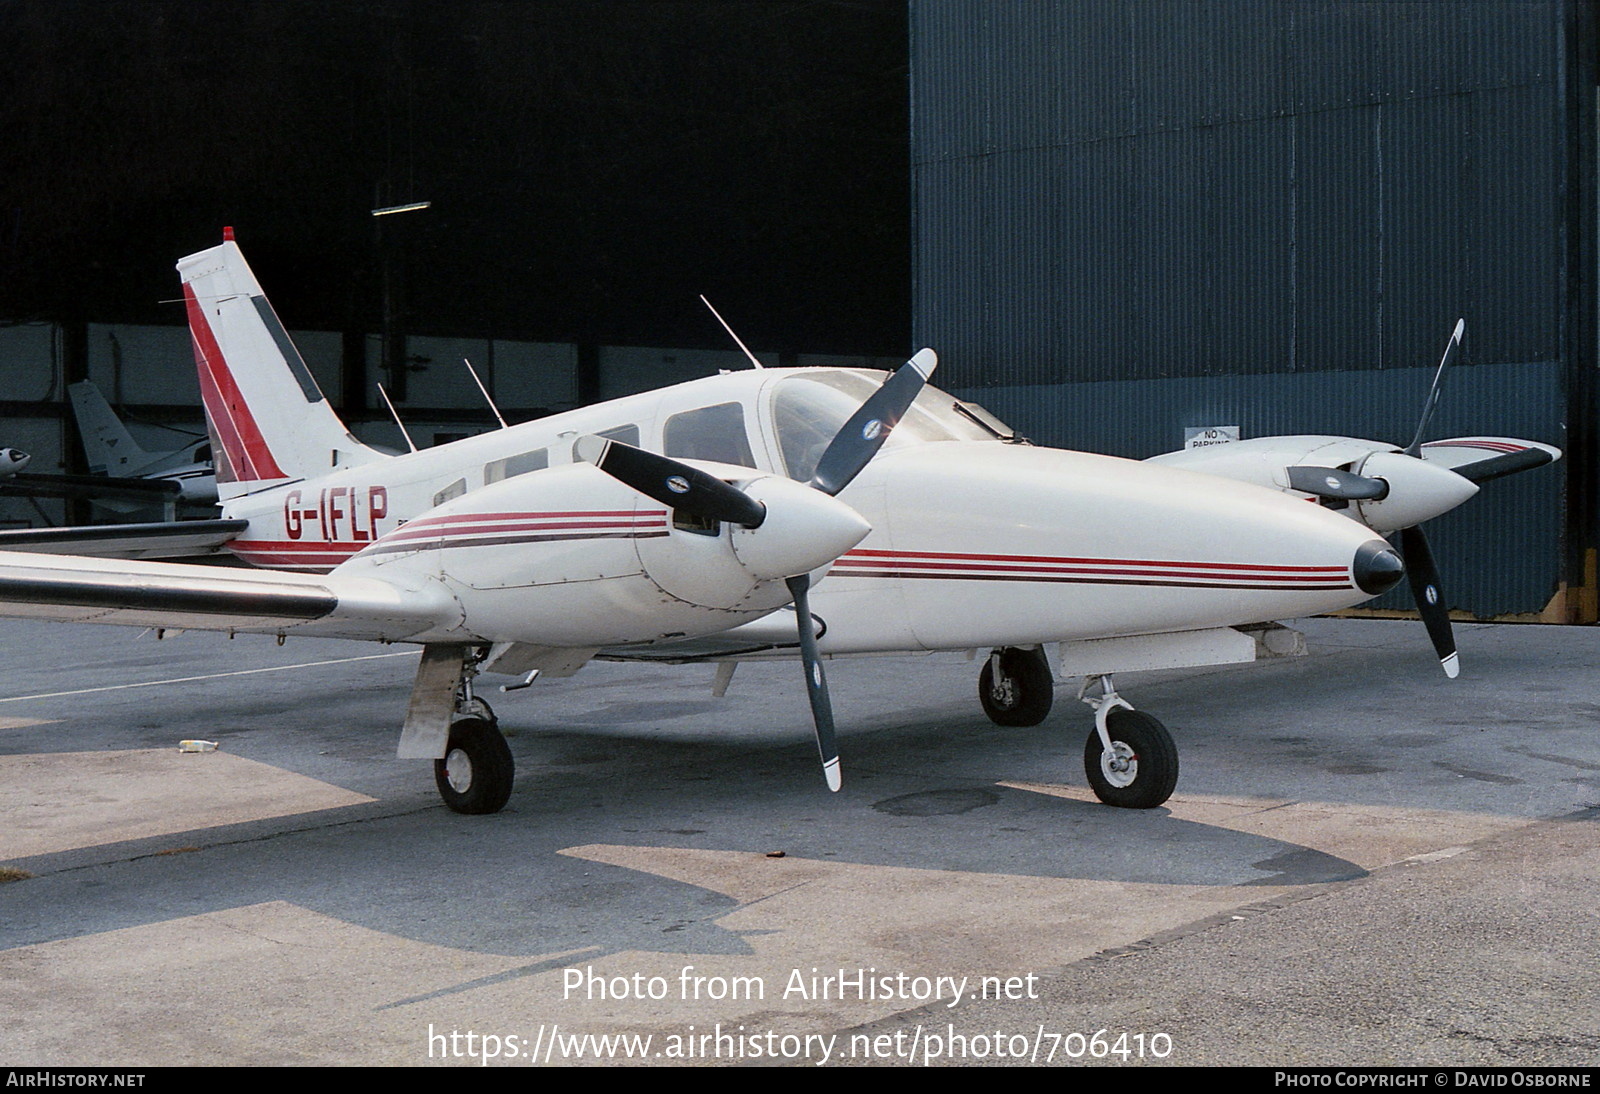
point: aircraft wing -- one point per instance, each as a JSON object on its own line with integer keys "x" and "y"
{"x": 72, "y": 589}
{"x": 161, "y": 539}
{"x": 1483, "y": 458}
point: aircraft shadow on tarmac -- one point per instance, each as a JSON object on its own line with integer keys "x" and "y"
{"x": 503, "y": 885}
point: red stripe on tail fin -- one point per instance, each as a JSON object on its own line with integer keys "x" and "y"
{"x": 235, "y": 428}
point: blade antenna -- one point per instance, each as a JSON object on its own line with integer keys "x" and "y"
{"x": 753, "y": 359}
{"x": 486, "y": 396}
{"x": 1451, "y": 349}
{"x": 396, "y": 415}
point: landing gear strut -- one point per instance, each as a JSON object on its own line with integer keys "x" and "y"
{"x": 1130, "y": 758}
{"x": 475, "y": 774}
{"x": 1016, "y": 687}
{"x": 472, "y": 766}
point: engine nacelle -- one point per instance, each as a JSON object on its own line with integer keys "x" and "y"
{"x": 571, "y": 557}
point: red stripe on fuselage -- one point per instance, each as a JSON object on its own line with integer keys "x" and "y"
{"x": 865, "y": 556}
{"x": 585, "y": 514}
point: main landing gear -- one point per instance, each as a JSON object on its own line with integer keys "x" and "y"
{"x": 1016, "y": 687}
{"x": 1130, "y": 758}
{"x": 475, "y": 774}
{"x": 447, "y": 723}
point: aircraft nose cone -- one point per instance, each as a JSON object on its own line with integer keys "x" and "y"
{"x": 1378, "y": 567}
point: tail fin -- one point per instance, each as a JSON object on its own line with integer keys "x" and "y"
{"x": 269, "y": 421}
{"x": 109, "y": 446}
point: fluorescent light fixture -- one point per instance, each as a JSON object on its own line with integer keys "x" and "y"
{"x": 413, "y": 207}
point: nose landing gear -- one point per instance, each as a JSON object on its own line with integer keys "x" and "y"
{"x": 1130, "y": 758}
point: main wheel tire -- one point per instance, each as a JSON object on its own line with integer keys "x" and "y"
{"x": 1021, "y": 693}
{"x": 475, "y": 774}
{"x": 1142, "y": 770}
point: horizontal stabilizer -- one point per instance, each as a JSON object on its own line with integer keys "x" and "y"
{"x": 148, "y": 491}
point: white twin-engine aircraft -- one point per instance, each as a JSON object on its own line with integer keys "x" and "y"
{"x": 736, "y": 516}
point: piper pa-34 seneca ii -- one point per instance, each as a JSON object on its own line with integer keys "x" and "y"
{"x": 725, "y": 517}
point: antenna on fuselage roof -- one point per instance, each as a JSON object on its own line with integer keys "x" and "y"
{"x": 396, "y": 415}
{"x": 486, "y": 397}
{"x": 753, "y": 360}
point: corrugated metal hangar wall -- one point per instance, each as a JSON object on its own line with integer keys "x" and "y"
{"x": 1137, "y": 217}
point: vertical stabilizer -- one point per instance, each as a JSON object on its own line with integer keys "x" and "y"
{"x": 110, "y": 448}
{"x": 269, "y": 421}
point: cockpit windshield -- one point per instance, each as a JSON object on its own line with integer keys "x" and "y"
{"x": 809, "y": 409}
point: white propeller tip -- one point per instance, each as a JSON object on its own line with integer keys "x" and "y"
{"x": 831, "y": 772}
{"x": 1451, "y": 666}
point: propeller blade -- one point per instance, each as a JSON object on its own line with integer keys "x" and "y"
{"x": 816, "y": 683}
{"x": 1424, "y": 577}
{"x": 859, "y": 439}
{"x": 1330, "y": 482}
{"x": 1496, "y": 467}
{"x": 675, "y": 485}
{"x": 1451, "y": 349}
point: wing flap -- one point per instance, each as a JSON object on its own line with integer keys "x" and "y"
{"x": 159, "y": 539}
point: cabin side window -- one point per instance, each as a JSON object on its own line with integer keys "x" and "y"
{"x": 627, "y": 434}
{"x": 709, "y": 433}
{"x": 454, "y": 490}
{"x": 512, "y": 466}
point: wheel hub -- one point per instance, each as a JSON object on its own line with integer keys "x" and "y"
{"x": 1120, "y": 765}
{"x": 458, "y": 771}
{"x": 1003, "y": 691}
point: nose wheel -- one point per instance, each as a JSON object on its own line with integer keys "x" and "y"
{"x": 1130, "y": 758}
{"x": 1015, "y": 686}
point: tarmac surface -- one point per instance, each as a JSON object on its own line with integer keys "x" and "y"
{"x": 1364, "y": 863}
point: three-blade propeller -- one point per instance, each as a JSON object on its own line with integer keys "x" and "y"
{"x": 700, "y": 494}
